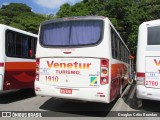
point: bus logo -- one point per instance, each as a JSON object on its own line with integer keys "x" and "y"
{"x": 93, "y": 80}
{"x": 157, "y": 62}
{"x": 74, "y": 65}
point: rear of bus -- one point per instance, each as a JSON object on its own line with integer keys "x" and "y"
{"x": 73, "y": 59}
{"x": 148, "y": 61}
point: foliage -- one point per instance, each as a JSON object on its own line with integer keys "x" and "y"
{"x": 20, "y": 16}
{"x": 126, "y": 15}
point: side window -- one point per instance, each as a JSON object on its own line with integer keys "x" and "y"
{"x": 123, "y": 54}
{"x": 30, "y": 47}
{"x": 114, "y": 45}
{"x": 34, "y": 46}
{"x": 10, "y": 44}
{"x": 126, "y": 55}
{"x": 19, "y": 45}
{"x": 119, "y": 50}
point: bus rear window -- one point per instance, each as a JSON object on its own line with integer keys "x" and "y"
{"x": 71, "y": 33}
{"x": 154, "y": 35}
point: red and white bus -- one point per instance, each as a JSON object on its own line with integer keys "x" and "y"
{"x": 148, "y": 61}
{"x": 81, "y": 58}
{"x": 17, "y": 58}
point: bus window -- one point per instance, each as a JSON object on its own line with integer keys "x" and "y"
{"x": 10, "y": 45}
{"x": 114, "y": 43}
{"x": 34, "y": 47}
{"x": 75, "y": 33}
{"x": 19, "y": 45}
{"x": 154, "y": 35}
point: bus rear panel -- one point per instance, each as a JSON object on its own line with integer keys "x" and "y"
{"x": 148, "y": 61}
{"x": 74, "y": 60}
{"x": 74, "y": 78}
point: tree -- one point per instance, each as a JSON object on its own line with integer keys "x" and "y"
{"x": 64, "y": 11}
{"x": 12, "y": 10}
{"x": 126, "y": 15}
{"x": 20, "y": 16}
{"x": 28, "y": 21}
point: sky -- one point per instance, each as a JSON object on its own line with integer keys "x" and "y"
{"x": 41, "y": 6}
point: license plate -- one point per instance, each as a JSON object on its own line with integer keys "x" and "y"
{"x": 65, "y": 91}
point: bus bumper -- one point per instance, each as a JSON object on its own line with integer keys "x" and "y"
{"x": 83, "y": 94}
{"x": 143, "y": 92}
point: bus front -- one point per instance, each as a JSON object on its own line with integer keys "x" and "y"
{"x": 148, "y": 61}
{"x": 72, "y": 60}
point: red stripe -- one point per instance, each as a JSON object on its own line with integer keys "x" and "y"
{"x": 67, "y": 52}
{"x": 1, "y": 64}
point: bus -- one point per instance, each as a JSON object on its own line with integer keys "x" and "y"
{"x": 148, "y": 61}
{"x": 81, "y": 58}
{"x": 17, "y": 58}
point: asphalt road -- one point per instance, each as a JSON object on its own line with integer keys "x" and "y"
{"x": 65, "y": 109}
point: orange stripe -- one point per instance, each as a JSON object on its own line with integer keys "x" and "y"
{"x": 118, "y": 69}
{"x": 20, "y": 66}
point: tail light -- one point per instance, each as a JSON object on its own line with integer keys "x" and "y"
{"x": 1, "y": 64}
{"x": 104, "y": 71}
{"x": 140, "y": 78}
{"x": 37, "y": 69}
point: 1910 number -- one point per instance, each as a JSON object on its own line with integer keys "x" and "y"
{"x": 52, "y": 78}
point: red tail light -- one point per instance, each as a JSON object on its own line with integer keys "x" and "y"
{"x": 140, "y": 78}
{"x": 104, "y": 71}
{"x": 104, "y": 63}
{"x": 37, "y": 69}
{"x": 37, "y": 62}
{"x": 1, "y": 64}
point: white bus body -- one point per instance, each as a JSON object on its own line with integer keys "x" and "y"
{"x": 148, "y": 61}
{"x": 17, "y": 59}
{"x": 83, "y": 68}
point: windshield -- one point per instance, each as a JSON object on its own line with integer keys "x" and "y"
{"x": 71, "y": 33}
{"x": 154, "y": 35}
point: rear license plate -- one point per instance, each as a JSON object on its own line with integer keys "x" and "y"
{"x": 65, "y": 91}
